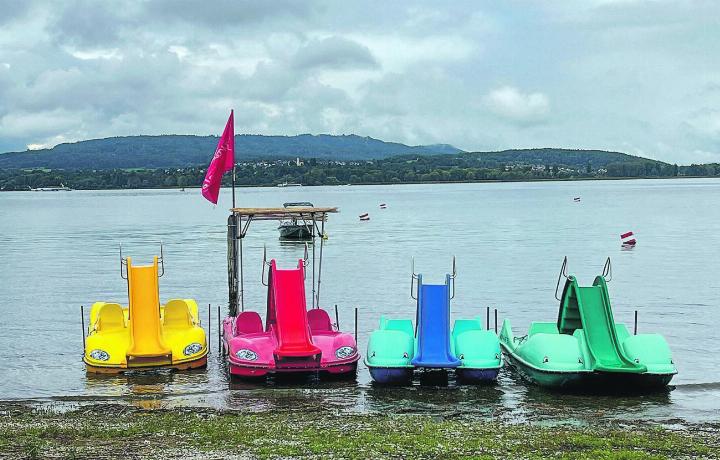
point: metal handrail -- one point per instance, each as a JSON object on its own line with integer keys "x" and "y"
{"x": 452, "y": 279}
{"x": 563, "y": 273}
{"x": 123, "y": 263}
{"x": 264, "y": 263}
{"x": 305, "y": 263}
{"x": 162, "y": 261}
{"x": 412, "y": 279}
{"x": 607, "y": 271}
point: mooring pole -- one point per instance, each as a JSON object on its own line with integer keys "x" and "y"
{"x": 635, "y": 328}
{"x": 337, "y": 318}
{"x": 219, "y": 331}
{"x": 496, "y": 321}
{"x": 82, "y": 322}
{"x": 487, "y": 318}
{"x": 209, "y": 325}
{"x": 356, "y": 323}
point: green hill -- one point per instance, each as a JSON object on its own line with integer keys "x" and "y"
{"x": 180, "y": 151}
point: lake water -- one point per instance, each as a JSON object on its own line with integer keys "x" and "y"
{"x": 60, "y": 251}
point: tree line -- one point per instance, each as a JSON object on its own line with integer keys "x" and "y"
{"x": 442, "y": 168}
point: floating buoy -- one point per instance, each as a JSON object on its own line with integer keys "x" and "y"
{"x": 628, "y": 240}
{"x": 365, "y": 216}
{"x": 383, "y": 206}
{"x": 576, "y": 199}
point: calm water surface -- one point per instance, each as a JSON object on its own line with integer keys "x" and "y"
{"x": 60, "y": 250}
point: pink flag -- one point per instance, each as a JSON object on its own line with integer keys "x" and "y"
{"x": 222, "y": 161}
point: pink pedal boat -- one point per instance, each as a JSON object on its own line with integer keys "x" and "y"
{"x": 294, "y": 338}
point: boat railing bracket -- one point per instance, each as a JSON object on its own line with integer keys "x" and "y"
{"x": 306, "y": 261}
{"x": 123, "y": 265}
{"x": 264, "y": 264}
{"x": 607, "y": 270}
{"x": 452, "y": 279}
{"x": 563, "y": 274}
{"x": 161, "y": 261}
{"x": 413, "y": 278}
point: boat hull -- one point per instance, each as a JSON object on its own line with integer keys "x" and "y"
{"x": 547, "y": 379}
{"x": 346, "y": 369}
{"x": 295, "y": 232}
{"x": 469, "y": 375}
{"x": 391, "y": 375}
{"x": 199, "y": 363}
{"x": 608, "y": 382}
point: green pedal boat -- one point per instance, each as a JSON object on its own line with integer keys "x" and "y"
{"x": 398, "y": 348}
{"x": 585, "y": 347}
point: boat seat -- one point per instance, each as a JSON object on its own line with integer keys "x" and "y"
{"x": 319, "y": 320}
{"x": 402, "y": 325}
{"x": 110, "y": 317}
{"x": 176, "y": 314}
{"x": 539, "y": 327}
{"x": 464, "y": 325}
{"x": 248, "y": 322}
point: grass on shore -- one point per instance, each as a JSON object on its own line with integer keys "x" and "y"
{"x": 118, "y": 431}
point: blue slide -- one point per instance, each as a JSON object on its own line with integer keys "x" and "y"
{"x": 433, "y": 326}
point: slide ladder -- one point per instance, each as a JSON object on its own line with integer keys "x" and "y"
{"x": 588, "y": 308}
{"x": 146, "y": 341}
{"x": 433, "y": 326}
{"x": 287, "y": 313}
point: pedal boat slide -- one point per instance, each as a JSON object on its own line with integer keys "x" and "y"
{"x": 295, "y": 338}
{"x": 585, "y": 348}
{"x": 397, "y": 349}
{"x": 145, "y": 334}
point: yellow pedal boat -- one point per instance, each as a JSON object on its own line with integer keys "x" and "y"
{"x": 145, "y": 334}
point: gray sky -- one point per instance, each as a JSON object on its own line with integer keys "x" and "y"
{"x": 641, "y": 77}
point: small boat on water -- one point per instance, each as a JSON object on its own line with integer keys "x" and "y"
{"x": 289, "y": 184}
{"x": 59, "y": 188}
{"x": 585, "y": 348}
{"x": 364, "y": 216}
{"x": 294, "y": 228}
{"x": 397, "y": 349}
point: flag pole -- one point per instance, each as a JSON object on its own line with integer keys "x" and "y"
{"x": 232, "y": 113}
{"x": 233, "y": 186}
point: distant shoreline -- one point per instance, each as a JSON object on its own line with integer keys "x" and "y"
{"x": 483, "y": 181}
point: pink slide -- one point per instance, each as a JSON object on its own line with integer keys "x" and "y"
{"x": 293, "y": 340}
{"x": 290, "y": 322}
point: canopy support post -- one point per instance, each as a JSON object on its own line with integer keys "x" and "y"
{"x": 322, "y": 240}
{"x": 314, "y": 305}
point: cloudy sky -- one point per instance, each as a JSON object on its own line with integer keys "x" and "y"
{"x": 636, "y": 76}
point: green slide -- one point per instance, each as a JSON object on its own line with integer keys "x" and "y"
{"x": 590, "y": 307}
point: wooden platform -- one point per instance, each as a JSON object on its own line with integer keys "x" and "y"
{"x": 316, "y": 213}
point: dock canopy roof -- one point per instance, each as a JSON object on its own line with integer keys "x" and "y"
{"x": 309, "y": 213}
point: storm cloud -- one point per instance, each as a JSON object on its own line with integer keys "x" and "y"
{"x": 629, "y": 75}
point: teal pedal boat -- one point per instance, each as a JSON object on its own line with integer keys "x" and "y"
{"x": 585, "y": 348}
{"x": 398, "y": 348}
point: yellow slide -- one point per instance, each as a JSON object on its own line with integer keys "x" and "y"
{"x": 145, "y": 334}
{"x": 146, "y": 343}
